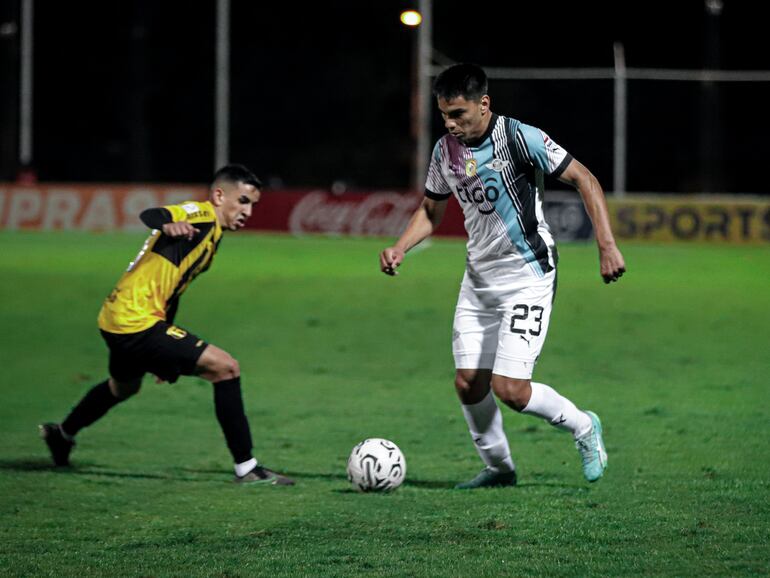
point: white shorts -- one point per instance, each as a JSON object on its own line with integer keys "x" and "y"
{"x": 502, "y": 327}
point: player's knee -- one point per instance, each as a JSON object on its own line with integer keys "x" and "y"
{"x": 461, "y": 384}
{"x": 514, "y": 393}
{"x": 227, "y": 368}
{"x": 217, "y": 365}
{"x": 232, "y": 368}
{"x": 471, "y": 386}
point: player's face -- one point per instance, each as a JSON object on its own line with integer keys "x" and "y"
{"x": 236, "y": 202}
{"x": 465, "y": 119}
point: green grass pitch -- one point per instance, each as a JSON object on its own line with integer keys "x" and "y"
{"x": 675, "y": 359}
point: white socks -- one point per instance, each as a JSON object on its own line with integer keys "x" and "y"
{"x": 244, "y": 468}
{"x": 485, "y": 423}
{"x": 559, "y": 411}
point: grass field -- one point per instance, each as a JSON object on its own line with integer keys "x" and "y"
{"x": 674, "y": 358}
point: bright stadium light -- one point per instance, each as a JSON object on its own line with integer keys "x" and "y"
{"x": 411, "y": 18}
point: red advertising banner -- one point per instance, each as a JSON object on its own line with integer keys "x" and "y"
{"x": 86, "y": 207}
{"x": 386, "y": 214}
{"x": 382, "y": 213}
{"x": 302, "y": 211}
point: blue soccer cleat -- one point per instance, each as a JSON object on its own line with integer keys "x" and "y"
{"x": 591, "y": 448}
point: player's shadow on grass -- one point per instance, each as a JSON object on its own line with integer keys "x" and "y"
{"x": 424, "y": 484}
{"x": 93, "y": 469}
{"x": 429, "y": 484}
{"x": 442, "y": 485}
{"x": 291, "y": 474}
{"x": 212, "y": 475}
{"x": 27, "y": 465}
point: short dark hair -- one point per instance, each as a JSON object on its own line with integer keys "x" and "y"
{"x": 237, "y": 174}
{"x": 466, "y": 80}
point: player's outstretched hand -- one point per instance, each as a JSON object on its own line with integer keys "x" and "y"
{"x": 179, "y": 229}
{"x": 611, "y": 264}
{"x": 390, "y": 259}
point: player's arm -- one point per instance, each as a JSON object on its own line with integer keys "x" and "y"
{"x": 611, "y": 263}
{"x": 424, "y": 221}
{"x": 161, "y": 218}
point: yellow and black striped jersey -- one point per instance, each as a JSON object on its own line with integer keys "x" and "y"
{"x": 149, "y": 290}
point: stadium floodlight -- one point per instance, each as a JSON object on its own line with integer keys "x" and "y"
{"x": 411, "y": 18}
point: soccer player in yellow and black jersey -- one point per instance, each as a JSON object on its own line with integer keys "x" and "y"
{"x": 136, "y": 321}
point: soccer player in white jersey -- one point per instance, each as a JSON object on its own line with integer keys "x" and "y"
{"x": 494, "y": 166}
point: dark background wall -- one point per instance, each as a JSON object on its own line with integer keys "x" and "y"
{"x": 124, "y": 91}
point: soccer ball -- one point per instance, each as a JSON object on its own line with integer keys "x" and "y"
{"x": 376, "y": 465}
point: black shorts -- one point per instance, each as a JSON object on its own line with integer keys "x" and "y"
{"x": 163, "y": 350}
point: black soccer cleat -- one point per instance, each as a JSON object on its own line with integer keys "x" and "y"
{"x": 489, "y": 479}
{"x": 59, "y": 446}
{"x": 260, "y": 475}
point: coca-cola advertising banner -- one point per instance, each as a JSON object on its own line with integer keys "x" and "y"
{"x": 386, "y": 214}
{"x": 299, "y": 212}
{"x": 383, "y": 213}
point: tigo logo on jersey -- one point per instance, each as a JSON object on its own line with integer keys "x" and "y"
{"x": 498, "y": 165}
{"x": 470, "y": 167}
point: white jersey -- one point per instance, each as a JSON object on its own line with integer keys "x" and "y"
{"x": 498, "y": 182}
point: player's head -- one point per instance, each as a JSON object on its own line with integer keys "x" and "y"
{"x": 461, "y": 91}
{"x": 466, "y": 80}
{"x": 234, "y": 189}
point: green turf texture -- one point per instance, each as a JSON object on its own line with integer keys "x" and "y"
{"x": 674, "y": 359}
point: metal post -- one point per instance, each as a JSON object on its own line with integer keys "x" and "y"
{"x": 136, "y": 93}
{"x": 710, "y": 149}
{"x": 424, "y": 51}
{"x": 620, "y": 136}
{"x": 222, "y": 92}
{"x": 25, "y": 90}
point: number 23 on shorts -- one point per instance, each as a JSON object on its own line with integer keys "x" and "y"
{"x": 526, "y": 319}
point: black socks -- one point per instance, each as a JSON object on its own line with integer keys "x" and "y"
{"x": 228, "y": 404}
{"x": 98, "y": 401}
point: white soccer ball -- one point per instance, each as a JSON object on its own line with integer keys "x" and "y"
{"x": 376, "y": 465}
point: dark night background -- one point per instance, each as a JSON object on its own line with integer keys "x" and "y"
{"x": 124, "y": 91}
